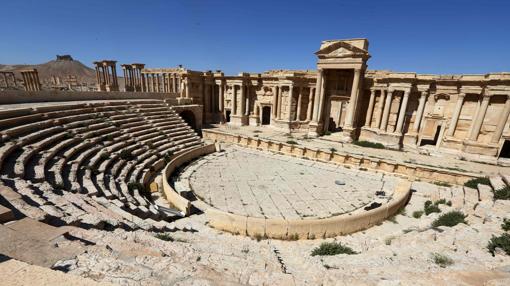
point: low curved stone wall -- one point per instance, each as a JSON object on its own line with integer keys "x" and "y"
{"x": 309, "y": 228}
{"x": 410, "y": 171}
{"x": 171, "y": 195}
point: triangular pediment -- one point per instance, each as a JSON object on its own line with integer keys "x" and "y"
{"x": 341, "y": 49}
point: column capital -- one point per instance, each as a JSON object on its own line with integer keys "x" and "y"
{"x": 424, "y": 92}
{"x": 461, "y": 95}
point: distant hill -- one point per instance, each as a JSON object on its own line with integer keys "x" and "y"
{"x": 63, "y": 66}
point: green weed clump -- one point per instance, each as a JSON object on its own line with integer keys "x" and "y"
{"x": 502, "y": 242}
{"x": 473, "y": 183}
{"x": 450, "y": 219}
{"x": 441, "y": 260}
{"x": 369, "y": 144}
{"x": 332, "y": 248}
{"x": 502, "y": 194}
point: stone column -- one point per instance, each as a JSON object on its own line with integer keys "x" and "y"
{"x": 456, "y": 114}
{"x": 380, "y": 107}
{"x": 188, "y": 88}
{"x": 402, "y": 113}
{"x": 477, "y": 125}
{"x": 98, "y": 80}
{"x": 289, "y": 101}
{"x": 370, "y": 111}
{"x": 317, "y": 96}
{"x": 247, "y": 108}
{"x": 501, "y": 123}
{"x": 220, "y": 100}
{"x": 275, "y": 101}
{"x": 387, "y": 108}
{"x": 174, "y": 83}
{"x": 419, "y": 112}
{"x": 322, "y": 98}
{"x": 340, "y": 107}
{"x": 234, "y": 100}
{"x": 299, "y": 103}
{"x": 279, "y": 103}
{"x": 310, "y": 104}
{"x": 242, "y": 101}
{"x": 351, "y": 108}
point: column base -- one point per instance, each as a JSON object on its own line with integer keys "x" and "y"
{"x": 314, "y": 129}
{"x": 347, "y": 135}
{"x": 389, "y": 140}
{"x": 239, "y": 120}
{"x": 254, "y": 120}
{"x": 411, "y": 142}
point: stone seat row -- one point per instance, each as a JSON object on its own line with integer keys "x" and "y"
{"x": 70, "y": 157}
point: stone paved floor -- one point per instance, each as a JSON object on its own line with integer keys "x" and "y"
{"x": 443, "y": 161}
{"x": 259, "y": 184}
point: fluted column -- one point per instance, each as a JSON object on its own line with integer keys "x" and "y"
{"x": 370, "y": 111}
{"x": 299, "y": 103}
{"x": 221, "y": 104}
{"x": 289, "y": 102}
{"x": 477, "y": 125}
{"x": 317, "y": 96}
{"x": 456, "y": 114}
{"x": 247, "y": 101}
{"x": 309, "y": 107}
{"x": 234, "y": 100}
{"x": 242, "y": 101}
{"x": 419, "y": 112}
{"x": 279, "y": 111}
{"x": 380, "y": 107}
{"x": 188, "y": 88}
{"x": 353, "y": 99}
{"x": 387, "y": 108}
{"x": 501, "y": 123}
{"x": 275, "y": 101}
{"x": 402, "y": 113}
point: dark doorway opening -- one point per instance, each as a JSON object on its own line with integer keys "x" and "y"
{"x": 434, "y": 141}
{"x": 266, "y": 115}
{"x": 505, "y": 150}
{"x": 189, "y": 118}
{"x": 227, "y": 115}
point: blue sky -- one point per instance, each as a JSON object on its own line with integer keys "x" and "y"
{"x": 425, "y": 36}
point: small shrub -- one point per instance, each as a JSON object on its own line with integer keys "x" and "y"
{"x": 332, "y": 248}
{"x": 442, "y": 184}
{"x": 327, "y": 133}
{"x": 502, "y": 242}
{"x": 139, "y": 187}
{"x": 59, "y": 186}
{"x": 502, "y": 194}
{"x": 257, "y": 131}
{"x": 294, "y": 236}
{"x": 94, "y": 170}
{"x": 417, "y": 214}
{"x": 506, "y": 224}
{"x": 164, "y": 236}
{"x": 104, "y": 156}
{"x": 258, "y": 236}
{"x": 368, "y": 144}
{"x": 450, "y": 219}
{"x": 126, "y": 155}
{"x": 430, "y": 207}
{"x": 388, "y": 240}
{"x": 332, "y": 149}
{"x": 473, "y": 183}
{"x": 442, "y": 260}
{"x": 292, "y": 142}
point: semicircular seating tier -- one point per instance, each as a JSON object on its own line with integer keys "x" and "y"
{"x": 85, "y": 164}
